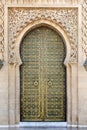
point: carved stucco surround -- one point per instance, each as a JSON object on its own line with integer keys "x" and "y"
{"x": 62, "y": 20}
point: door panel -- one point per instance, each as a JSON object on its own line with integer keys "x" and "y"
{"x": 54, "y": 78}
{"x": 30, "y": 77}
{"x": 43, "y": 76}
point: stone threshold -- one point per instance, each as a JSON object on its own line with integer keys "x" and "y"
{"x": 43, "y": 124}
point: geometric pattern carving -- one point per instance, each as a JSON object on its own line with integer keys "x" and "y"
{"x": 84, "y": 31}
{"x": 84, "y": 27}
{"x": 66, "y": 18}
{"x": 1, "y": 31}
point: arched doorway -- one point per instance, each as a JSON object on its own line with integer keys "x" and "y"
{"x": 43, "y": 76}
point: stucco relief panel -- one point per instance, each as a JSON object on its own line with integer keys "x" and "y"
{"x": 1, "y": 31}
{"x": 66, "y": 18}
{"x": 84, "y": 30}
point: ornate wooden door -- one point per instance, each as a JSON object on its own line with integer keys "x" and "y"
{"x": 43, "y": 76}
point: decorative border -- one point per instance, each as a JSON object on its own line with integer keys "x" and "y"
{"x": 1, "y": 31}
{"x": 84, "y": 27}
{"x": 84, "y": 31}
{"x": 66, "y": 18}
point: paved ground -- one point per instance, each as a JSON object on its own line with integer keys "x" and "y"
{"x": 44, "y": 128}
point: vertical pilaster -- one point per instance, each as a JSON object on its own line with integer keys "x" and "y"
{"x": 4, "y": 69}
{"x": 11, "y": 95}
{"x": 74, "y": 94}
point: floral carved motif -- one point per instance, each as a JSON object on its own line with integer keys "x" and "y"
{"x": 84, "y": 30}
{"x": 19, "y": 18}
{"x": 1, "y": 31}
{"x": 84, "y": 27}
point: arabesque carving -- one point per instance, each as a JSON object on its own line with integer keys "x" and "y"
{"x": 84, "y": 27}
{"x": 84, "y": 30}
{"x": 19, "y": 18}
{"x": 1, "y": 31}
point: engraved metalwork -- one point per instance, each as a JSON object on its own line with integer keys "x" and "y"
{"x": 36, "y": 83}
{"x": 43, "y": 82}
{"x": 49, "y": 83}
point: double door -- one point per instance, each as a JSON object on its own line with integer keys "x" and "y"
{"x": 42, "y": 76}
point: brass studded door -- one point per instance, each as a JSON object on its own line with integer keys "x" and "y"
{"x": 43, "y": 76}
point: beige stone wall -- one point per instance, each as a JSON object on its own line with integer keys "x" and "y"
{"x": 82, "y": 58}
{"x": 67, "y": 17}
{"x": 4, "y": 70}
{"x": 34, "y": 2}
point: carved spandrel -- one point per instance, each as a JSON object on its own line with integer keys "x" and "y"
{"x": 20, "y": 17}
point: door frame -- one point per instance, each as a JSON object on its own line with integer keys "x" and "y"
{"x": 71, "y": 71}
